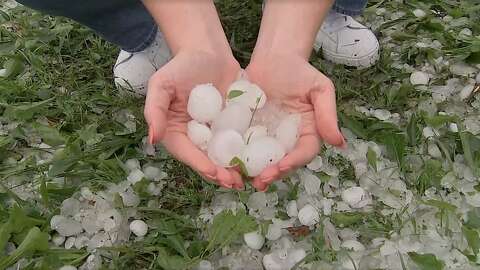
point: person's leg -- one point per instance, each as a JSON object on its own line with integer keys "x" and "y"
{"x": 349, "y": 7}
{"x": 343, "y": 40}
{"x": 125, "y": 23}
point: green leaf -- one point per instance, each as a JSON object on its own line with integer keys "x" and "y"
{"x": 236, "y": 161}
{"x": 346, "y": 219}
{"x": 413, "y": 131}
{"x": 439, "y": 120}
{"x": 49, "y": 135}
{"x": 473, "y": 58}
{"x": 473, "y": 218}
{"x": 441, "y": 205}
{"x": 372, "y": 158}
{"x": 35, "y": 240}
{"x": 169, "y": 262}
{"x": 431, "y": 175}
{"x": 227, "y": 227}
{"x": 176, "y": 242}
{"x": 355, "y": 126}
{"x": 467, "y": 148}
{"x": 13, "y": 67}
{"x": 395, "y": 144}
{"x": 472, "y": 238}
{"x": 235, "y": 93}
{"x": 24, "y": 111}
{"x": 426, "y": 261}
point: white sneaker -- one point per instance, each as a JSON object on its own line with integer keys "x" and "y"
{"x": 133, "y": 70}
{"x": 345, "y": 41}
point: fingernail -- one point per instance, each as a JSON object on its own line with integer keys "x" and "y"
{"x": 285, "y": 168}
{"x": 210, "y": 176}
{"x": 266, "y": 179}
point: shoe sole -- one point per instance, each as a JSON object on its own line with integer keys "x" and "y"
{"x": 363, "y": 62}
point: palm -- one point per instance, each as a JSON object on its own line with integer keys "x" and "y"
{"x": 166, "y": 108}
{"x": 300, "y": 88}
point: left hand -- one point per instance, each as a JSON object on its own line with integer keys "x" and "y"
{"x": 300, "y": 88}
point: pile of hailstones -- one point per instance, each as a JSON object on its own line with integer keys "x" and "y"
{"x": 91, "y": 219}
{"x": 247, "y": 128}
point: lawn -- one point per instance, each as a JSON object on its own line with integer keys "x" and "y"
{"x": 75, "y": 169}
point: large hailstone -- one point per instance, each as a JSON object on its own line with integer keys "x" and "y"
{"x": 236, "y": 116}
{"x": 199, "y": 134}
{"x": 254, "y": 132}
{"x": 139, "y": 227}
{"x": 224, "y": 146}
{"x": 254, "y": 240}
{"x": 419, "y": 78}
{"x": 244, "y": 92}
{"x": 355, "y": 197}
{"x": 308, "y": 215}
{"x": 288, "y": 131}
{"x": 204, "y": 103}
{"x": 261, "y": 153}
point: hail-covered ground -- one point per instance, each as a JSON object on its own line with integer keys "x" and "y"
{"x": 80, "y": 188}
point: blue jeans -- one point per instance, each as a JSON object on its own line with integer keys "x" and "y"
{"x": 127, "y": 23}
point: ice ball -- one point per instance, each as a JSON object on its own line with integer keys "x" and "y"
{"x": 419, "y": 78}
{"x": 261, "y": 153}
{"x": 254, "y": 132}
{"x": 254, "y": 240}
{"x": 199, "y": 134}
{"x": 247, "y": 93}
{"x": 224, "y": 146}
{"x": 353, "y": 196}
{"x": 288, "y": 131}
{"x": 139, "y": 227}
{"x": 308, "y": 215}
{"x": 204, "y": 103}
{"x": 236, "y": 116}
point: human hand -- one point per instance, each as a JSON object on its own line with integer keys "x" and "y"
{"x": 300, "y": 88}
{"x": 166, "y": 108}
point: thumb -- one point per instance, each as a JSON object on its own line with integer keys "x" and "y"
{"x": 159, "y": 96}
{"x": 322, "y": 97}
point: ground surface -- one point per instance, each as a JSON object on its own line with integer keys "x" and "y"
{"x": 414, "y": 150}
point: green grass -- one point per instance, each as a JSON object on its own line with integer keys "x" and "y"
{"x": 61, "y": 90}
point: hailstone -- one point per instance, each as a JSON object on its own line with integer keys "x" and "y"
{"x": 419, "y": 78}
{"x": 254, "y": 240}
{"x": 236, "y": 116}
{"x": 288, "y": 130}
{"x": 254, "y": 132}
{"x": 68, "y": 267}
{"x": 261, "y": 153}
{"x": 204, "y": 103}
{"x": 354, "y": 196}
{"x": 419, "y": 13}
{"x": 353, "y": 245}
{"x": 199, "y": 134}
{"x": 139, "y": 227}
{"x": 244, "y": 92}
{"x": 292, "y": 210}
{"x": 224, "y": 146}
{"x": 308, "y": 215}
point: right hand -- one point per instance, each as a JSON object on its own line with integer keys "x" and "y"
{"x": 166, "y": 108}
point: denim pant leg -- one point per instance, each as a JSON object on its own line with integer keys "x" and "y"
{"x": 349, "y": 7}
{"x": 125, "y": 23}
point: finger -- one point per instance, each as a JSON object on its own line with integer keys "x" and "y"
{"x": 305, "y": 150}
{"x": 269, "y": 174}
{"x": 184, "y": 150}
{"x": 225, "y": 178}
{"x": 323, "y": 101}
{"x": 259, "y": 185}
{"x": 237, "y": 179}
{"x": 160, "y": 94}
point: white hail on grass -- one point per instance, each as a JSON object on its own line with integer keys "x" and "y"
{"x": 139, "y": 227}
